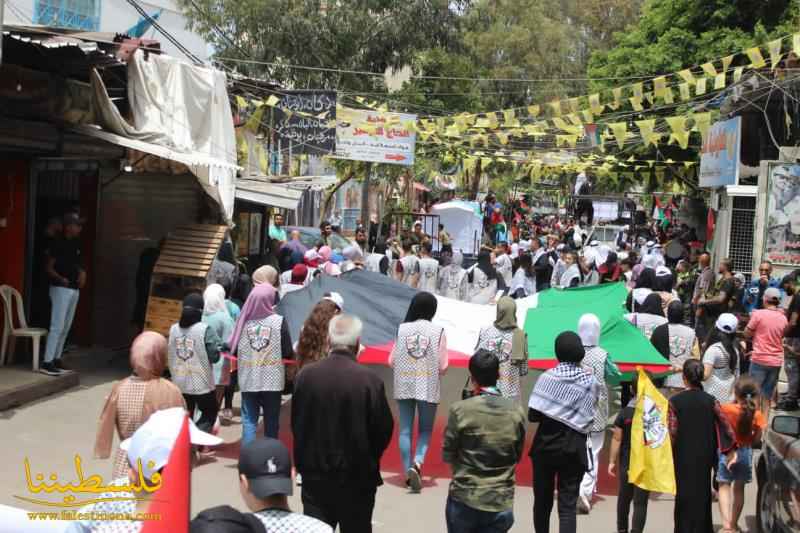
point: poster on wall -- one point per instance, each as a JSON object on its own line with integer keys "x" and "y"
{"x": 375, "y": 136}
{"x": 782, "y": 239}
{"x": 255, "y": 233}
{"x": 307, "y": 135}
{"x": 243, "y": 234}
{"x": 719, "y": 155}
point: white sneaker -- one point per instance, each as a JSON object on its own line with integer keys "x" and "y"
{"x": 584, "y": 505}
{"x": 298, "y": 480}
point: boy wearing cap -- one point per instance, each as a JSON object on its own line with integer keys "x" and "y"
{"x": 67, "y": 278}
{"x": 149, "y": 449}
{"x": 265, "y": 481}
{"x": 767, "y": 327}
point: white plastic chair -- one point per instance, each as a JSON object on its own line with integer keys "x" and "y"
{"x": 11, "y": 300}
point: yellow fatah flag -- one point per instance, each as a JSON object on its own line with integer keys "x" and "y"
{"x": 737, "y": 74}
{"x": 638, "y": 90}
{"x": 700, "y": 86}
{"x": 687, "y": 76}
{"x": 756, "y": 59}
{"x": 659, "y": 86}
{"x": 533, "y": 110}
{"x": 668, "y": 96}
{"x": 719, "y": 81}
{"x": 647, "y": 129}
{"x": 796, "y": 44}
{"x": 555, "y": 106}
{"x": 684, "y": 90}
{"x": 726, "y": 62}
{"x": 709, "y": 69}
{"x": 594, "y": 104}
{"x": 620, "y": 129}
{"x": 617, "y": 92}
{"x": 636, "y": 103}
{"x": 775, "y": 54}
{"x": 651, "y": 467}
{"x": 702, "y": 122}
{"x": 272, "y": 101}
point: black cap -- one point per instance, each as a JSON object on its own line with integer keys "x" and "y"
{"x": 72, "y": 218}
{"x": 226, "y": 519}
{"x": 267, "y": 466}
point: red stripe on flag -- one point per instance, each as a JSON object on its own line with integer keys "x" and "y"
{"x": 171, "y": 502}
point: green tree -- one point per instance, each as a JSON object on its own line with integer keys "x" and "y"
{"x": 673, "y": 34}
{"x": 358, "y": 35}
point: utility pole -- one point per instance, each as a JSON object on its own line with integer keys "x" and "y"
{"x": 365, "y": 196}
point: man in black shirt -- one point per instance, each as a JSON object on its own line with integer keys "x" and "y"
{"x": 67, "y": 277}
{"x": 40, "y": 312}
{"x": 717, "y": 300}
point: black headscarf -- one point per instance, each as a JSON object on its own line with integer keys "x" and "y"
{"x": 611, "y": 259}
{"x": 652, "y": 305}
{"x": 569, "y": 347}
{"x": 226, "y": 253}
{"x": 242, "y": 289}
{"x": 675, "y": 312}
{"x": 485, "y": 264}
{"x": 192, "y": 311}
{"x": 647, "y": 279}
{"x": 422, "y": 307}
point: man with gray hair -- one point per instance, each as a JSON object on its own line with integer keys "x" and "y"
{"x": 341, "y": 424}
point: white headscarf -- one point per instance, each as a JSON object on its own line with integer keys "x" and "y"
{"x": 579, "y": 181}
{"x": 214, "y": 299}
{"x": 589, "y": 329}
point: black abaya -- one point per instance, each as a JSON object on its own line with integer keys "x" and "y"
{"x": 696, "y": 452}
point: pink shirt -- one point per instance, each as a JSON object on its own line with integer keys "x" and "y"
{"x": 767, "y": 326}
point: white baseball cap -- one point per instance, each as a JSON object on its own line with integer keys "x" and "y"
{"x": 152, "y": 443}
{"x": 663, "y": 271}
{"x": 727, "y": 322}
{"x": 336, "y": 298}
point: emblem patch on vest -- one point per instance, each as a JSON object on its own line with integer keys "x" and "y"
{"x": 184, "y": 348}
{"x": 258, "y": 336}
{"x": 417, "y": 345}
{"x": 501, "y": 347}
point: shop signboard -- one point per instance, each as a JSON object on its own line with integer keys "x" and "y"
{"x": 782, "y": 233}
{"x": 719, "y": 156}
{"x": 375, "y": 136}
{"x": 306, "y": 134}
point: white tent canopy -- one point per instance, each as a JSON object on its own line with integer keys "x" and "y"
{"x": 463, "y": 222}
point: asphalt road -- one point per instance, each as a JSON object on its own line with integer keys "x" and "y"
{"x": 51, "y": 431}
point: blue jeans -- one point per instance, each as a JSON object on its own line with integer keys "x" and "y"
{"x": 253, "y": 403}
{"x": 791, "y": 363}
{"x": 64, "y": 302}
{"x": 766, "y": 377}
{"x": 461, "y": 518}
{"x": 427, "y": 414}
{"x": 741, "y": 470}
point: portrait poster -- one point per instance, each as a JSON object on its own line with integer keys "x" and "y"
{"x": 782, "y": 239}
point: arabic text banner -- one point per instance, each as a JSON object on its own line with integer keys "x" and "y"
{"x": 719, "y": 158}
{"x": 375, "y": 136}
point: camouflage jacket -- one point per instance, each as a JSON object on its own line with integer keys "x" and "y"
{"x": 483, "y": 442}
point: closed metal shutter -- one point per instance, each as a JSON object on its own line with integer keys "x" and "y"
{"x": 136, "y": 212}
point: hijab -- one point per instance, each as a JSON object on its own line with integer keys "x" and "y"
{"x": 192, "y": 311}
{"x": 507, "y": 320}
{"x": 485, "y": 264}
{"x": 148, "y": 361}
{"x": 675, "y": 312}
{"x": 646, "y": 279}
{"x": 214, "y": 300}
{"x": 257, "y": 307}
{"x": 589, "y": 330}
{"x": 569, "y": 348}
{"x": 149, "y": 355}
{"x": 652, "y": 305}
{"x": 422, "y": 307}
{"x": 226, "y": 253}
{"x": 265, "y": 274}
{"x": 325, "y": 253}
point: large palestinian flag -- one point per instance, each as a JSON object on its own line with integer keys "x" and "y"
{"x": 381, "y": 303}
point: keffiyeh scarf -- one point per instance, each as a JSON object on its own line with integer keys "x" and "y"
{"x": 566, "y": 393}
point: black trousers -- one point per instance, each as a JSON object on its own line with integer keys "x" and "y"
{"x": 567, "y": 473}
{"x": 348, "y": 506}
{"x": 630, "y": 493}
{"x": 207, "y": 404}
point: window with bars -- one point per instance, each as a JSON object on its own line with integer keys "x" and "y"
{"x": 75, "y": 14}
{"x": 740, "y": 246}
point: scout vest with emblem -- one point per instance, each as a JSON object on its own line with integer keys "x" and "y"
{"x": 410, "y": 267}
{"x": 373, "y": 262}
{"x": 499, "y": 343}
{"x": 260, "y": 355}
{"x": 416, "y": 362}
{"x": 188, "y": 360}
{"x": 452, "y": 282}
{"x": 428, "y": 271}
{"x": 681, "y": 343}
{"x": 482, "y": 289}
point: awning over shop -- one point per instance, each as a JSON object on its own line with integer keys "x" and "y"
{"x": 271, "y": 194}
{"x": 191, "y": 160}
